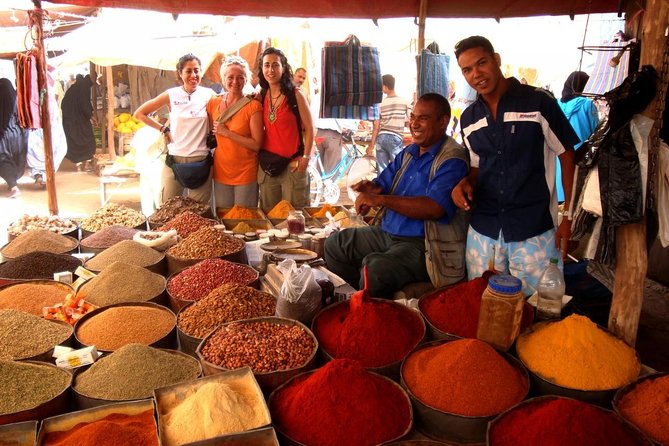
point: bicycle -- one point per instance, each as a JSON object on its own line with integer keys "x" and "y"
{"x": 325, "y": 185}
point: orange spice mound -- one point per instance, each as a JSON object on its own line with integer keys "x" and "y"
{"x": 241, "y": 213}
{"x": 281, "y": 209}
{"x": 324, "y": 209}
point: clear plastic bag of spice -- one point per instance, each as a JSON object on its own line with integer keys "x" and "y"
{"x": 301, "y": 295}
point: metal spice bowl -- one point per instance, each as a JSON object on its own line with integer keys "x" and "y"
{"x": 268, "y": 381}
{"x": 66, "y": 422}
{"x": 157, "y": 267}
{"x": 55, "y": 406}
{"x": 450, "y": 427}
{"x": 85, "y": 232}
{"x": 528, "y": 403}
{"x": 416, "y": 443}
{"x": 74, "y": 250}
{"x": 19, "y": 434}
{"x": 187, "y": 343}
{"x": 66, "y": 289}
{"x": 265, "y": 436}
{"x": 47, "y": 356}
{"x": 74, "y": 233}
{"x": 543, "y": 386}
{"x": 391, "y": 370}
{"x": 288, "y": 441}
{"x": 176, "y": 264}
{"x": 620, "y": 394}
{"x": 169, "y": 341}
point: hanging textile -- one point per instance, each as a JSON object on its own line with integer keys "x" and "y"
{"x": 604, "y": 77}
{"x": 27, "y": 91}
{"x": 351, "y": 78}
{"x": 433, "y": 71}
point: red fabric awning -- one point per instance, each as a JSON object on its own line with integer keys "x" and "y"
{"x": 373, "y": 9}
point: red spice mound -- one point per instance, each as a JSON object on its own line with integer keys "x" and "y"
{"x": 455, "y": 310}
{"x": 464, "y": 377}
{"x": 560, "y": 421}
{"x": 341, "y": 404}
{"x": 197, "y": 281}
{"x": 113, "y": 430}
{"x": 647, "y": 407}
{"x": 376, "y": 334}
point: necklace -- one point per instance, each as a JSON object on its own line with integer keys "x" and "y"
{"x": 271, "y": 116}
{"x": 189, "y": 94}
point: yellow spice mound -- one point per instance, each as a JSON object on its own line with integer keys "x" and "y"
{"x": 324, "y": 210}
{"x": 281, "y": 209}
{"x": 577, "y": 354}
{"x": 241, "y": 213}
{"x": 243, "y": 228}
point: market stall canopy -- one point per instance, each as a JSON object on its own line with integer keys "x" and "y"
{"x": 373, "y": 9}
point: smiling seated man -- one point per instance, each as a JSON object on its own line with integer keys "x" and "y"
{"x": 394, "y": 251}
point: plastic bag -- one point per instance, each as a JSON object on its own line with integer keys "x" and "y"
{"x": 160, "y": 241}
{"x": 362, "y": 169}
{"x": 301, "y": 295}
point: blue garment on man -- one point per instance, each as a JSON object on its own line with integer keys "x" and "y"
{"x": 515, "y": 153}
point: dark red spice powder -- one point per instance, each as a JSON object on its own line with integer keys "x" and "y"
{"x": 341, "y": 404}
{"x": 113, "y": 430}
{"x": 558, "y": 422}
{"x": 378, "y": 333}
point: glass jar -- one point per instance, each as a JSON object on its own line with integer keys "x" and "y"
{"x": 305, "y": 240}
{"x": 501, "y": 311}
{"x": 296, "y": 223}
{"x": 318, "y": 244}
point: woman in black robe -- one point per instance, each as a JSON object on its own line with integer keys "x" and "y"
{"x": 77, "y": 113}
{"x": 13, "y": 139}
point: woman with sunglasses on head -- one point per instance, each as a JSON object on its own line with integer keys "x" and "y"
{"x": 289, "y": 134}
{"x": 186, "y": 133}
{"x": 238, "y": 126}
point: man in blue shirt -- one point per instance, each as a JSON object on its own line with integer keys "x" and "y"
{"x": 514, "y": 133}
{"x": 394, "y": 252}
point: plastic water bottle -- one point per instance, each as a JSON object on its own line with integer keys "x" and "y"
{"x": 550, "y": 290}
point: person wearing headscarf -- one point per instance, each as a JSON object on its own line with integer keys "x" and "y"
{"x": 581, "y": 113}
{"x": 77, "y": 114}
{"x": 13, "y": 139}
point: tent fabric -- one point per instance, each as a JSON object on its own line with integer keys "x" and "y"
{"x": 604, "y": 77}
{"x": 363, "y": 9}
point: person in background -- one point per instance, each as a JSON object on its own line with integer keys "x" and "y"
{"x": 288, "y": 126}
{"x": 388, "y": 131}
{"x": 513, "y": 133}
{"x": 394, "y": 252}
{"x": 77, "y": 115}
{"x": 13, "y": 139}
{"x": 299, "y": 77}
{"x": 581, "y": 113}
{"x": 238, "y": 139}
{"x": 329, "y": 133}
{"x": 188, "y": 126}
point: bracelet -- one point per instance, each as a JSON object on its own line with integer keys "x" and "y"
{"x": 164, "y": 129}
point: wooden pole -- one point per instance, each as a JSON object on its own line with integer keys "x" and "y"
{"x": 422, "y": 14}
{"x": 631, "y": 253}
{"x": 110, "y": 112}
{"x": 43, "y": 88}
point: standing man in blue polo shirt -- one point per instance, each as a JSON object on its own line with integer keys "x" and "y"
{"x": 394, "y": 252}
{"x": 513, "y": 133}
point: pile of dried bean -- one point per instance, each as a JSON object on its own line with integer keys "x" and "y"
{"x": 205, "y": 243}
{"x": 112, "y": 214}
{"x": 33, "y": 297}
{"x": 130, "y": 251}
{"x": 39, "y": 240}
{"x": 134, "y": 371}
{"x": 186, "y": 223}
{"x": 51, "y": 223}
{"x": 195, "y": 282}
{"x": 38, "y": 265}
{"x": 26, "y": 385}
{"x": 174, "y": 206}
{"x": 108, "y": 236}
{"x": 122, "y": 282}
{"x": 227, "y": 303}
{"x": 24, "y": 335}
{"x": 263, "y": 346}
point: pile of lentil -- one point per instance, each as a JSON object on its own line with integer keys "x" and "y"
{"x": 120, "y": 283}
{"x": 186, "y": 223}
{"x": 134, "y": 371}
{"x": 577, "y": 354}
{"x": 377, "y": 333}
{"x": 263, "y": 346}
{"x": 24, "y": 335}
{"x": 39, "y": 240}
{"x": 113, "y": 214}
{"x": 130, "y": 251}
{"x": 227, "y": 303}
{"x": 25, "y": 385}
{"x": 205, "y": 243}
{"x": 195, "y": 282}
{"x": 112, "y": 328}
{"x": 51, "y": 223}
{"x": 464, "y": 377}
{"x": 108, "y": 236}
{"x": 38, "y": 265}
{"x": 646, "y": 406}
{"x": 174, "y": 206}
{"x": 33, "y": 297}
